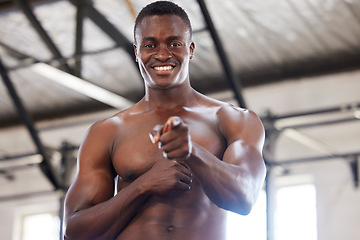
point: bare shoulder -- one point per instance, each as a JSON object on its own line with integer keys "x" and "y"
{"x": 109, "y": 126}
{"x": 228, "y": 112}
{"x": 237, "y": 123}
{"x": 99, "y": 139}
{"x": 101, "y": 133}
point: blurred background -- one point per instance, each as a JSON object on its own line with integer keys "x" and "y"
{"x": 65, "y": 64}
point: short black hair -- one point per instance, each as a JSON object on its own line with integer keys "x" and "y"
{"x": 162, "y": 8}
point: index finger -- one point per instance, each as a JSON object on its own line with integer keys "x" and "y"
{"x": 171, "y": 123}
{"x": 155, "y": 134}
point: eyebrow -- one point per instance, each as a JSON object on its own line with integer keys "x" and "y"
{"x": 149, "y": 39}
{"x": 170, "y": 38}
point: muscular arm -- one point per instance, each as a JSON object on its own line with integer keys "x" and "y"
{"x": 234, "y": 182}
{"x": 91, "y": 210}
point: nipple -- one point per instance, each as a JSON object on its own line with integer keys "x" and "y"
{"x": 170, "y": 228}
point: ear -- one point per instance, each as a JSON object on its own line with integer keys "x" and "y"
{"x": 192, "y": 49}
{"x": 135, "y": 50}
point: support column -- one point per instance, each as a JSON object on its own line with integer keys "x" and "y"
{"x": 268, "y": 152}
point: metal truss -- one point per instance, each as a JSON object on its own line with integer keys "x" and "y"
{"x": 25, "y": 117}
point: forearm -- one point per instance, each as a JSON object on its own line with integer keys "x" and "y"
{"x": 106, "y": 220}
{"x": 232, "y": 187}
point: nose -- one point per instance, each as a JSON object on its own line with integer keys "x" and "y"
{"x": 162, "y": 54}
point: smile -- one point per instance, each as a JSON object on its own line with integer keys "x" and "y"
{"x": 163, "y": 68}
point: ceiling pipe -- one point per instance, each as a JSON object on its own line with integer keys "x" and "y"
{"x": 342, "y": 108}
{"x": 343, "y": 157}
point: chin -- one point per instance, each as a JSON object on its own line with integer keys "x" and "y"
{"x": 164, "y": 84}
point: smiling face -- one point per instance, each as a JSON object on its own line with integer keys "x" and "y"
{"x": 163, "y": 49}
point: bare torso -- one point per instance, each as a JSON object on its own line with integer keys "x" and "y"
{"x": 181, "y": 215}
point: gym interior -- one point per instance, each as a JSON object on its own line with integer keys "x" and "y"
{"x": 66, "y": 64}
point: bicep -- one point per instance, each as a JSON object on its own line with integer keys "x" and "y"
{"x": 94, "y": 182}
{"x": 87, "y": 191}
{"x": 246, "y": 157}
{"x": 245, "y": 135}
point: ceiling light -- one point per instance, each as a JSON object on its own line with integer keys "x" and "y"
{"x": 13, "y": 163}
{"x": 357, "y": 114}
{"x": 81, "y": 86}
{"x": 309, "y": 141}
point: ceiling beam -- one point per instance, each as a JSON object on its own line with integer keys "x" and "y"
{"x": 26, "y": 9}
{"x": 100, "y": 20}
{"x": 73, "y": 82}
{"x": 6, "y": 4}
{"x": 79, "y": 37}
{"x": 45, "y": 165}
{"x": 230, "y": 77}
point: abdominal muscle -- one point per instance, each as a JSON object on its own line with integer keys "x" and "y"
{"x": 185, "y": 215}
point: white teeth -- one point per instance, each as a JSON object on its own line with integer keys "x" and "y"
{"x": 163, "y": 68}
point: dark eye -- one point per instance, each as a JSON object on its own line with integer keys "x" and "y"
{"x": 175, "y": 44}
{"x": 149, "y": 46}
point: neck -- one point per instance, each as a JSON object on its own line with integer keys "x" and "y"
{"x": 170, "y": 98}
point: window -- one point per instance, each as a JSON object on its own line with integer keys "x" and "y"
{"x": 45, "y": 226}
{"x": 296, "y": 213}
{"x": 252, "y": 226}
{"x": 295, "y": 216}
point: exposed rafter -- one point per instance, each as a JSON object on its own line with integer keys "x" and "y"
{"x": 26, "y": 119}
{"x": 230, "y": 77}
{"x": 25, "y": 7}
{"x": 79, "y": 37}
{"x": 93, "y": 14}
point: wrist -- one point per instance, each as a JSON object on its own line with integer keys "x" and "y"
{"x": 143, "y": 186}
{"x": 197, "y": 156}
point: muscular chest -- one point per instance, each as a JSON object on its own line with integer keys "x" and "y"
{"x": 134, "y": 154}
